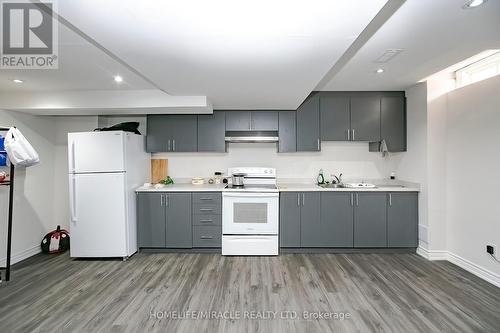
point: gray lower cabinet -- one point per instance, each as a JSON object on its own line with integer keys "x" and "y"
{"x": 337, "y": 218}
{"x": 335, "y": 117}
{"x": 308, "y": 125}
{"x": 287, "y": 132}
{"x": 172, "y": 133}
{"x": 365, "y": 118}
{"x": 290, "y": 219}
{"x": 164, "y": 220}
{"x": 151, "y": 220}
{"x": 370, "y": 219}
{"x": 207, "y": 236}
{"x": 211, "y": 132}
{"x": 402, "y": 219}
{"x": 207, "y": 219}
{"x": 310, "y": 222}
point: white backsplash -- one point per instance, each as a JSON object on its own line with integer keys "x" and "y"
{"x": 350, "y": 158}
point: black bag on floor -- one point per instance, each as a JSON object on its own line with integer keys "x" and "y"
{"x": 56, "y": 241}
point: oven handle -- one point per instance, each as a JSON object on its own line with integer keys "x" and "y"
{"x": 250, "y": 194}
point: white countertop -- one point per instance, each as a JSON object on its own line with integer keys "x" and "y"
{"x": 182, "y": 187}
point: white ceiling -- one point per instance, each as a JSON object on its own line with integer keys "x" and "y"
{"x": 434, "y": 35}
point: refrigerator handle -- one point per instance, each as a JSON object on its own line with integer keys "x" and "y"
{"x": 72, "y": 198}
{"x": 73, "y": 156}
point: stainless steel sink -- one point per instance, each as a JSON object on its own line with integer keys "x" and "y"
{"x": 332, "y": 185}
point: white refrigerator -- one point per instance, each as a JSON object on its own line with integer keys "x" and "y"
{"x": 105, "y": 168}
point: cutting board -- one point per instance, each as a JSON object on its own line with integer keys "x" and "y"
{"x": 159, "y": 170}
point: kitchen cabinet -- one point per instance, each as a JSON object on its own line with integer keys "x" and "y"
{"x": 299, "y": 219}
{"x": 251, "y": 120}
{"x": 308, "y": 125}
{"x": 365, "y": 118}
{"x": 402, "y": 219}
{"x": 335, "y": 117}
{"x": 164, "y": 220}
{"x": 172, "y": 133}
{"x": 290, "y": 219}
{"x": 392, "y": 124}
{"x": 337, "y": 218}
{"x": 287, "y": 132}
{"x": 151, "y": 219}
{"x": 370, "y": 219}
{"x": 207, "y": 219}
{"x": 211, "y": 132}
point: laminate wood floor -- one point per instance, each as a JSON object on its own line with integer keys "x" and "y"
{"x": 359, "y": 293}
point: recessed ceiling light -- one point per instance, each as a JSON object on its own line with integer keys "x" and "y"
{"x": 380, "y": 70}
{"x": 118, "y": 79}
{"x": 473, "y": 4}
{"x": 17, "y": 81}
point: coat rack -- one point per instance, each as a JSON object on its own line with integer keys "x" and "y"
{"x": 9, "y": 183}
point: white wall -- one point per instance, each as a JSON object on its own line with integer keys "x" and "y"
{"x": 33, "y": 190}
{"x": 472, "y": 172}
{"x": 413, "y": 164}
{"x": 351, "y": 158}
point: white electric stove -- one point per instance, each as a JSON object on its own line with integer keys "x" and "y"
{"x": 250, "y": 213}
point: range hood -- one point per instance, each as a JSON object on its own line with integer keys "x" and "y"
{"x": 251, "y": 136}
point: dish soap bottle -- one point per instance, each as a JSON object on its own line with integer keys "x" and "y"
{"x": 321, "y": 178}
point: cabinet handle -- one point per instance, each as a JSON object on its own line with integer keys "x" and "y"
{"x": 206, "y": 237}
{"x": 166, "y": 200}
{"x": 206, "y": 221}
{"x": 161, "y": 200}
{"x": 318, "y": 145}
{"x": 168, "y": 146}
{"x": 173, "y": 144}
{"x": 357, "y": 199}
{"x": 206, "y": 210}
{"x": 353, "y": 134}
{"x": 303, "y": 199}
{"x": 348, "y": 135}
{"x": 390, "y": 199}
{"x": 298, "y": 199}
{"x": 352, "y": 199}
{"x": 206, "y": 199}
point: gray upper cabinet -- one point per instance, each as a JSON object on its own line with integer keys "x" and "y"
{"x": 171, "y": 133}
{"x": 365, "y": 118}
{"x": 370, "y": 219}
{"x": 287, "y": 132}
{"x": 310, "y": 222}
{"x": 179, "y": 226}
{"x": 335, "y": 117}
{"x": 393, "y": 123}
{"x": 238, "y": 120}
{"x": 290, "y": 219}
{"x": 211, "y": 132}
{"x": 151, "y": 220}
{"x": 308, "y": 137}
{"x": 402, "y": 219}
{"x": 264, "y": 120}
{"x": 337, "y": 217}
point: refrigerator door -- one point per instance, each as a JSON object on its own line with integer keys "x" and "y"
{"x": 98, "y": 225}
{"x": 90, "y": 152}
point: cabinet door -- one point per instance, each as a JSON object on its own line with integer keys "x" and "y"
{"x": 158, "y": 132}
{"x": 310, "y": 222}
{"x": 402, "y": 220}
{"x": 264, "y": 120}
{"x": 308, "y": 125}
{"x": 365, "y": 118}
{"x": 179, "y": 227}
{"x": 238, "y": 120}
{"x": 211, "y": 132}
{"x": 151, "y": 220}
{"x": 337, "y": 217}
{"x": 287, "y": 132}
{"x": 185, "y": 133}
{"x": 370, "y": 220}
{"x": 393, "y": 123}
{"x": 290, "y": 219}
{"x": 334, "y": 115}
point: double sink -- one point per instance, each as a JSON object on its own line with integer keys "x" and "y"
{"x": 360, "y": 186}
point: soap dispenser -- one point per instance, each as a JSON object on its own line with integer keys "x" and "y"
{"x": 321, "y": 178}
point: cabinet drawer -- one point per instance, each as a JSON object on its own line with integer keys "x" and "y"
{"x": 207, "y": 209}
{"x": 207, "y": 198}
{"x": 207, "y": 219}
{"x": 207, "y": 236}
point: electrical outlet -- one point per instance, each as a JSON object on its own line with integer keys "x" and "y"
{"x": 491, "y": 249}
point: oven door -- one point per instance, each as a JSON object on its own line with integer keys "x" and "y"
{"x": 250, "y": 213}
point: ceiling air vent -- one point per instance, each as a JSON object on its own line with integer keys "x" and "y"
{"x": 388, "y": 55}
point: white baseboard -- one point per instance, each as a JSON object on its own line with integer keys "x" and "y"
{"x": 20, "y": 256}
{"x": 469, "y": 266}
